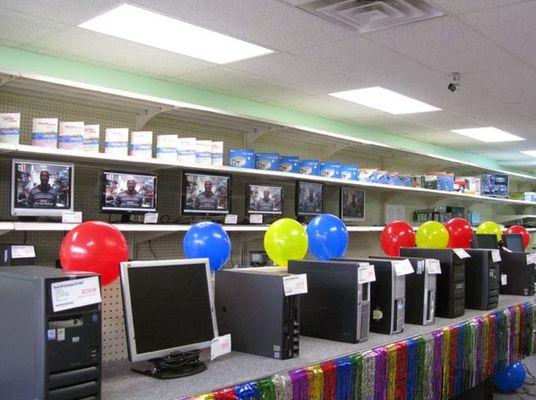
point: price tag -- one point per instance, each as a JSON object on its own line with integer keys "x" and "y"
{"x": 496, "y": 255}
{"x": 403, "y": 267}
{"x": 433, "y": 266}
{"x": 366, "y": 273}
{"x": 295, "y": 284}
{"x": 507, "y": 250}
{"x": 255, "y": 219}
{"x": 220, "y": 346}
{"x": 531, "y": 258}
{"x": 22, "y": 252}
{"x": 231, "y": 219}
{"x": 75, "y": 293}
{"x": 504, "y": 279}
{"x": 150, "y": 218}
{"x": 461, "y": 253}
{"x": 71, "y": 217}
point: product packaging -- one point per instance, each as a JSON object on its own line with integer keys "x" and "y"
{"x": 71, "y": 136}
{"x": 330, "y": 170}
{"x": 10, "y": 128}
{"x": 166, "y": 147}
{"x": 310, "y": 167}
{"x": 203, "y": 152}
{"x": 116, "y": 141}
{"x": 91, "y": 138}
{"x": 242, "y": 158}
{"x": 186, "y": 150}
{"x": 367, "y": 174}
{"x": 494, "y": 185}
{"x": 289, "y": 164}
{"x": 267, "y": 161}
{"x": 217, "y": 154}
{"x": 45, "y": 132}
{"x": 350, "y": 172}
{"x": 141, "y": 144}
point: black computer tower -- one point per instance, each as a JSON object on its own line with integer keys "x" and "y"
{"x": 520, "y": 273}
{"x": 336, "y": 306}
{"x": 46, "y": 354}
{"x": 450, "y": 292}
{"x": 481, "y": 280}
{"x": 14, "y": 254}
{"x": 420, "y": 291}
{"x": 251, "y": 305}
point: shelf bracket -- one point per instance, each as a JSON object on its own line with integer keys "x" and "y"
{"x": 334, "y": 148}
{"x": 146, "y": 115}
{"x": 6, "y": 78}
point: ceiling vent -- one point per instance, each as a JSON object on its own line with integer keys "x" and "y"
{"x": 372, "y": 15}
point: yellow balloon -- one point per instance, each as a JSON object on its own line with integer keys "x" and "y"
{"x": 490, "y": 228}
{"x": 285, "y": 239}
{"x": 432, "y": 235}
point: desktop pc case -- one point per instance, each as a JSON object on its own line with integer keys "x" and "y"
{"x": 46, "y": 354}
{"x": 251, "y": 305}
{"x": 520, "y": 274}
{"x": 450, "y": 291}
{"x": 336, "y": 306}
{"x": 481, "y": 280}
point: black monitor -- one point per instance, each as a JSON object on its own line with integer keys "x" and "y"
{"x": 513, "y": 242}
{"x": 206, "y": 193}
{"x": 352, "y": 204}
{"x": 128, "y": 192}
{"x": 41, "y": 188}
{"x": 263, "y": 199}
{"x": 309, "y": 198}
{"x": 485, "y": 241}
{"x": 169, "y": 314}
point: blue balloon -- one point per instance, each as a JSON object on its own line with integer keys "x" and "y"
{"x": 207, "y": 240}
{"x": 510, "y": 378}
{"x": 328, "y": 237}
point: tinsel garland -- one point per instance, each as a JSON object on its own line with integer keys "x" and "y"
{"x": 368, "y": 375}
{"x": 316, "y": 382}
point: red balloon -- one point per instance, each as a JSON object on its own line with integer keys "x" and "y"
{"x": 520, "y": 230}
{"x": 396, "y": 235}
{"x": 94, "y": 246}
{"x": 460, "y": 233}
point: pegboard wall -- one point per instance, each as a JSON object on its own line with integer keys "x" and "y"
{"x": 87, "y": 194}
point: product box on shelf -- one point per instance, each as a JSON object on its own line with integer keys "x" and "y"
{"x": 267, "y": 161}
{"x": 445, "y": 180}
{"x": 116, "y": 141}
{"x": 310, "y": 167}
{"x": 217, "y": 154}
{"x": 45, "y": 132}
{"x": 393, "y": 178}
{"x": 405, "y": 180}
{"x": 417, "y": 181}
{"x": 380, "y": 177}
{"x": 10, "y": 128}
{"x": 203, "y": 152}
{"x": 186, "y": 150}
{"x": 289, "y": 164}
{"x": 529, "y": 196}
{"x": 141, "y": 144}
{"x": 350, "y": 172}
{"x": 367, "y": 174}
{"x": 330, "y": 169}
{"x": 71, "y": 135}
{"x": 91, "y": 138}
{"x": 430, "y": 181}
{"x": 242, "y": 158}
{"x": 166, "y": 147}
{"x": 467, "y": 185}
{"x": 494, "y": 185}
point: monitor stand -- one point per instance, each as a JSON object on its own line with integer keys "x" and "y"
{"x": 174, "y": 366}
{"x": 125, "y": 218}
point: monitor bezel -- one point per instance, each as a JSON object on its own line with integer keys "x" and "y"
{"x": 341, "y": 209}
{"x": 133, "y": 353}
{"x": 117, "y": 210}
{"x": 248, "y": 198}
{"x": 39, "y": 212}
{"x": 509, "y": 235}
{"x": 487, "y": 235}
{"x": 297, "y": 198}
{"x": 205, "y": 212}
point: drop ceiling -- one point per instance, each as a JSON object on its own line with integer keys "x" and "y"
{"x": 490, "y": 42}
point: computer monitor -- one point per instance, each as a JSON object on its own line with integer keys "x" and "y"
{"x": 41, "y": 188}
{"x": 169, "y": 314}
{"x": 262, "y": 199}
{"x": 513, "y": 242}
{"x": 128, "y": 192}
{"x": 309, "y": 198}
{"x": 205, "y": 194}
{"x": 485, "y": 241}
{"x": 352, "y": 204}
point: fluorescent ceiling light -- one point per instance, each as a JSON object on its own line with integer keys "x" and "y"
{"x": 531, "y": 153}
{"x": 488, "y": 134}
{"x": 385, "y": 100}
{"x": 149, "y": 28}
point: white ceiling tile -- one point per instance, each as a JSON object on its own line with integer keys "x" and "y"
{"x": 528, "y": 106}
{"x": 464, "y": 6}
{"x": 389, "y": 124}
{"x": 20, "y": 28}
{"x": 492, "y": 114}
{"x": 443, "y": 120}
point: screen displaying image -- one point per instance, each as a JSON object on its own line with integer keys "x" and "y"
{"x": 309, "y": 198}
{"x": 41, "y": 188}
{"x": 265, "y": 199}
{"x": 123, "y": 191}
{"x": 352, "y": 204}
{"x": 205, "y": 194}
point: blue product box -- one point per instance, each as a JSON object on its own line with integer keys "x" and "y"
{"x": 405, "y": 180}
{"x": 350, "y": 172}
{"x": 310, "y": 167}
{"x": 330, "y": 169}
{"x": 242, "y": 158}
{"x": 494, "y": 185}
{"x": 267, "y": 161}
{"x": 289, "y": 164}
{"x": 381, "y": 177}
{"x": 394, "y": 179}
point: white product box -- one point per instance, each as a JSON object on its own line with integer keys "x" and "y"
{"x": 186, "y": 150}
{"x": 116, "y": 141}
{"x": 141, "y": 144}
{"x": 10, "y": 128}
{"x": 166, "y": 147}
{"x": 217, "y": 154}
{"x": 45, "y": 132}
{"x": 91, "y": 138}
{"x": 71, "y": 135}
{"x": 203, "y": 152}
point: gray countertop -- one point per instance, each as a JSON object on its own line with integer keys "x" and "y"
{"x": 119, "y": 382}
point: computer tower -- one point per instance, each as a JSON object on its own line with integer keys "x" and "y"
{"x": 336, "y": 306}
{"x": 46, "y": 354}
{"x": 251, "y": 305}
{"x": 481, "y": 280}
{"x": 420, "y": 291}
{"x": 520, "y": 274}
{"x": 450, "y": 291}
{"x": 14, "y": 254}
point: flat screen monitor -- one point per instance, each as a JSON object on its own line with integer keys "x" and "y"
{"x": 41, "y": 188}
{"x": 309, "y": 198}
{"x": 352, "y": 204}
{"x": 205, "y": 194}
{"x": 262, "y": 199}
{"x": 485, "y": 241}
{"x": 128, "y": 192}
{"x": 513, "y": 242}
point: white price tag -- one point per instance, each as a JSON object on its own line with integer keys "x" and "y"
{"x": 402, "y": 267}
{"x": 231, "y": 219}
{"x": 496, "y": 255}
{"x": 220, "y": 346}
{"x": 295, "y": 284}
{"x": 71, "y": 217}
{"x": 255, "y": 219}
{"x": 433, "y": 266}
{"x": 504, "y": 279}
{"x": 22, "y": 252}
{"x": 366, "y": 273}
{"x": 75, "y": 293}
{"x": 150, "y": 218}
{"x": 531, "y": 258}
{"x": 461, "y": 253}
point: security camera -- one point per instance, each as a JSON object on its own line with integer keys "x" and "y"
{"x": 453, "y": 86}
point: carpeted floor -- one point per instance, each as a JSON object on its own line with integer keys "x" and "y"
{"x": 528, "y": 391}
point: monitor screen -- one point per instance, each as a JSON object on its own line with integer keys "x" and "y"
{"x": 352, "y": 204}
{"x": 128, "y": 192}
{"x": 169, "y": 307}
{"x": 206, "y": 194}
{"x": 513, "y": 242}
{"x": 485, "y": 241}
{"x": 309, "y": 198}
{"x": 41, "y": 188}
{"x": 263, "y": 199}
